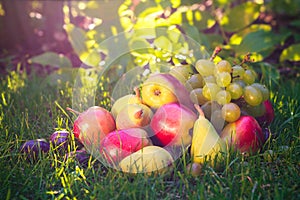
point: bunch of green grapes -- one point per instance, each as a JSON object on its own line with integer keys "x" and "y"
{"x": 232, "y": 87}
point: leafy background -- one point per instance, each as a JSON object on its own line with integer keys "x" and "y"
{"x": 268, "y": 30}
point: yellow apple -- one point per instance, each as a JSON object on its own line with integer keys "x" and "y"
{"x": 163, "y": 88}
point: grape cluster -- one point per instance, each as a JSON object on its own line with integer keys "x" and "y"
{"x": 232, "y": 88}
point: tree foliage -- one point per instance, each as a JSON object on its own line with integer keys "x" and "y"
{"x": 153, "y": 31}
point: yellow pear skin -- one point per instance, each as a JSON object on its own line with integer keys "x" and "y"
{"x": 148, "y": 160}
{"x": 206, "y": 142}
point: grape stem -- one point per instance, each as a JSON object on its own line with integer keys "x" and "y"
{"x": 215, "y": 53}
{"x": 246, "y": 59}
{"x": 199, "y": 110}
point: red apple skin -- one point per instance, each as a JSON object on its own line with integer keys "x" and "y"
{"x": 245, "y": 134}
{"x": 92, "y": 125}
{"x": 121, "y": 143}
{"x": 171, "y": 124}
{"x": 267, "y": 118}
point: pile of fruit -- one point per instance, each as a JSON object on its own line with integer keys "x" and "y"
{"x": 203, "y": 110}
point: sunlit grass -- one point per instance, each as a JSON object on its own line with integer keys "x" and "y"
{"x": 31, "y": 109}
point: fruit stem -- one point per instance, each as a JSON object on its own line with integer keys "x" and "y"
{"x": 246, "y": 59}
{"x": 73, "y": 111}
{"x": 199, "y": 110}
{"x": 137, "y": 92}
{"x": 215, "y": 53}
{"x": 138, "y": 114}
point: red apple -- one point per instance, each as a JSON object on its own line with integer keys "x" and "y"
{"x": 266, "y": 119}
{"x": 244, "y": 135}
{"x": 171, "y": 124}
{"x": 121, "y": 143}
{"x": 92, "y": 125}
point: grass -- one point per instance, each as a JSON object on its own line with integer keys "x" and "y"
{"x": 31, "y": 109}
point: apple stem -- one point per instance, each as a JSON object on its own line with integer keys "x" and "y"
{"x": 199, "y": 110}
{"x": 137, "y": 92}
{"x": 73, "y": 111}
{"x": 215, "y": 53}
{"x": 138, "y": 114}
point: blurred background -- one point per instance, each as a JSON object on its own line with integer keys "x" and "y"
{"x": 52, "y": 37}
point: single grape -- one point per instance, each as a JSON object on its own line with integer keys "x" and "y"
{"x": 210, "y": 79}
{"x": 254, "y": 111}
{"x": 231, "y": 112}
{"x": 240, "y": 82}
{"x": 238, "y": 71}
{"x": 223, "y": 79}
{"x": 252, "y": 95}
{"x": 235, "y": 90}
{"x": 197, "y": 97}
{"x": 195, "y": 81}
{"x": 223, "y": 66}
{"x": 264, "y": 90}
{"x": 210, "y": 91}
{"x": 248, "y": 77}
{"x": 205, "y": 67}
{"x": 223, "y": 97}
{"x": 182, "y": 72}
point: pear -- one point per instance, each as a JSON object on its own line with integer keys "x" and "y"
{"x": 206, "y": 143}
{"x": 148, "y": 160}
{"x": 120, "y": 103}
{"x": 134, "y": 116}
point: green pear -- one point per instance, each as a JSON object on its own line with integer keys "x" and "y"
{"x": 206, "y": 142}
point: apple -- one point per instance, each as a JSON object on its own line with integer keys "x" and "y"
{"x": 92, "y": 125}
{"x": 171, "y": 124}
{"x": 244, "y": 135}
{"x": 134, "y": 116}
{"x": 268, "y": 116}
{"x": 121, "y": 102}
{"x": 163, "y": 88}
{"x": 120, "y": 143}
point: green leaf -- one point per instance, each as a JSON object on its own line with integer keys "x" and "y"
{"x": 139, "y": 45}
{"x": 237, "y": 37}
{"x": 240, "y": 16}
{"x": 163, "y": 43}
{"x": 52, "y": 59}
{"x": 291, "y": 53}
{"x": 200, "y": 19}
{"x": 214, "y": 40}
{"x": 259, "y": 41}
{"x": 191, "y": 31}
{"x": 77, "y": 38}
